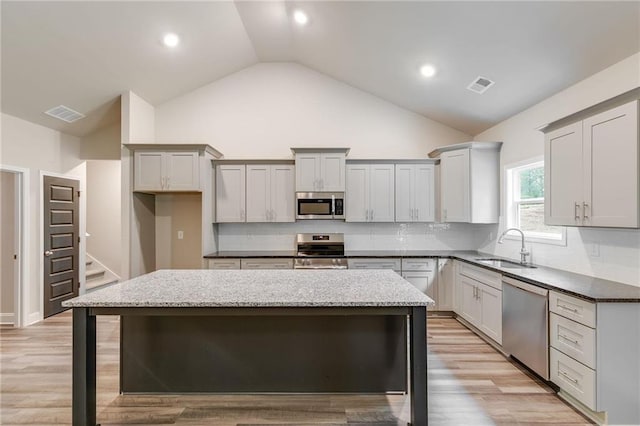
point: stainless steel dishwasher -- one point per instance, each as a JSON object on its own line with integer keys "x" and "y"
{"x": 525, "y": 324}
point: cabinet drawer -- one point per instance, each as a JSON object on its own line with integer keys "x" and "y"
{"x": 224, "y": 263}
{"x": 573, "y": 308}
{"x": 266, "y": 263}
{"x": 573, "y": 339}
{"x": 490, "y": 278}
{"x": 574, "y": 378}
{"x": 394, "y": 264}
{"x": 418, "y": 264}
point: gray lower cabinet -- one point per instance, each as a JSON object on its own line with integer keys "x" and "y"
{"x": 422, "y": 274}
{"x": 594, "y": 353}
{"x": 252, "y": 263}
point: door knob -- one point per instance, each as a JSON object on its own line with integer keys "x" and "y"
{"x": 48, "y": 253}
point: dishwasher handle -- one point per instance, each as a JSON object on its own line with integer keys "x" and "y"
{"x": 526, "y": 287}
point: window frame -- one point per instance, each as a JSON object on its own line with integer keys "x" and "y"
{"x": 512, "y": 202}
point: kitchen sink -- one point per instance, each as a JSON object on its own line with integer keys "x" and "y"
{"x": 501, "y": 263}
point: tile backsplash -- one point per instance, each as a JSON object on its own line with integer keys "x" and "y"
{"x": 358, "y": 236}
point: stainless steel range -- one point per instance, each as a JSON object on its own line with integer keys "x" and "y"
{"x": 320, "y": 251}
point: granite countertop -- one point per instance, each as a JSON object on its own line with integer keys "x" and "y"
{"x": 583, "y": 286}
{"x": 257, "y": 289}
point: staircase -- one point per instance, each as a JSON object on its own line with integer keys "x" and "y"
{"x": 97, "y": 275}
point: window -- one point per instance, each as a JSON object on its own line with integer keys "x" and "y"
{"x": 525, "y": 203}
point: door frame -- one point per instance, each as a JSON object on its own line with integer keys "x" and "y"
{"x": 82, "y": 246}
{"x": 21, "y": 289}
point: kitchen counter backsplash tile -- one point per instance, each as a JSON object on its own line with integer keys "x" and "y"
{"x": 359, "y": 236}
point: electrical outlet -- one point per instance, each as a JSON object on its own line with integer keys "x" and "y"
{"x": 180, "y": 235}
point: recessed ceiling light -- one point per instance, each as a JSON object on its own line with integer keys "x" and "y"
{"x": 428, "y": 70}
{"x": 300, "y": 17}
{"x": 171, "y": 40}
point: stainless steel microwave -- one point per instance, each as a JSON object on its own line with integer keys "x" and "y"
{"x": 319, "y": 205}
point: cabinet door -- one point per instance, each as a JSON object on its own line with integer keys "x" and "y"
{"x": 282, "y": 193}
{"x": 424, "y": 199}
{"x": 230, "y": 193}
{"x": 258, "y": 192}
{"x": 423, "y": 281}
{"x": 182, "y": 171}
{"x": 454, "y": 181}
{"x": 332, "y": 172}
{"x": 357, "y": 193}
{"x": 148, "y": 171}
{"x": 469, "y": 302}
{"x": 307, "y": 172}
{"x": 382, "y": 192}
{"x": 491, "y": 312}
{"x": 404, "y": 193}
{"x": 611, "y": 168}
{"x": 445, "y": 284}
{"x": 563, "y": 176}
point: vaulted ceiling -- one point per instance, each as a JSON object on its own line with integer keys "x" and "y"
{"x": 84, "y": 54}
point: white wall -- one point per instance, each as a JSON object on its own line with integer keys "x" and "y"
{"x": 38, "y": 148}
{"x": 603, "y": 253}
{"x": 104, "y": 212}
{"x": 358, "y": 236}
{"x": 263, "y": 110}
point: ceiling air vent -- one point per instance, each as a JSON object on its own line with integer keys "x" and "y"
{"x": 480, "y": 85}
{"x": 64, "y": 113}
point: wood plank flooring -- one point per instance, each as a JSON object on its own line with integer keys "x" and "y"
{"x": 469, "y": 384}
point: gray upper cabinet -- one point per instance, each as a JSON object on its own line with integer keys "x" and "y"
{"x": 320, "y": 170}
{"x": 270, "y": 193}
{"x": 230, "y": 193}
{"x": 469, "y": 182}
{"x": 370, "y": 193}
{"x": 170, "y": 167}
{"x": 166, "y": 171}
{"x": 591, "y": 170}
{"x": 415, "y": 197}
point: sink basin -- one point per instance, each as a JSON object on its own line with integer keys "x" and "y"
{"x": 501, "y": 263}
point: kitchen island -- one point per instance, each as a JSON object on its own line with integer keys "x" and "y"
{"x": 255, "y": 332}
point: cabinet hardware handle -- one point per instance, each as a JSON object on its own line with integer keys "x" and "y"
{"x": 576, "y": 210}
{"x": 568, "y": 376}
{"x": 445, "y": 214}
{"x": 568, "y": 339}
{"x": 241, "y": 214}
{"x": 168, "y": 182}
{"x": 417, "y": 214}
{"x": 568, "y": 308}
{"x": 371, "y": 215}
{"x": 585, "y": 205}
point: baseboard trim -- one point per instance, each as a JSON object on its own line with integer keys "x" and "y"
{"x": 599, "y": 418}
{"x": 7, "y": 319}
{"x": 33, "y": 318}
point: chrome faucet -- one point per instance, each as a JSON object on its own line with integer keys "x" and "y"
{"x": 523, "y": 251}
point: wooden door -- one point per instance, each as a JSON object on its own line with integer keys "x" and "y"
{"x": 148, "y": 171}
{"x": 454, "y": 169}
{"x": 332, "y": 172}
{"x": 307, "y": 172}
{"x": 357, "y": 193}
{"x": 469, "y": 304}
{"x": 382, "y": 192}
{"x": 424, "y": 195}
{"x": 258, "y": 193}
{"x": 61, "y": 242}
{"x": 283, "y": 203}
{"x": 491, "y": 312}
{"x": 230, "y": 193}
{"x": 182, "y": 171}
{"x": 404, "y": 192}
{"x": 563, "y": 176}
{"x": 611, "y": 168}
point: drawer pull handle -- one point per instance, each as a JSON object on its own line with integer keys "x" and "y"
{"x": 568, "y": 339}
{"x": 568, "y": 377}
{"x": 568, "y": 308}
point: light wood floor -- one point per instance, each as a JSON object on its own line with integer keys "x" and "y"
{"x": 469, "y": 384}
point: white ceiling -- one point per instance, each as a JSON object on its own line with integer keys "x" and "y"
{"x": 84, "y": 54}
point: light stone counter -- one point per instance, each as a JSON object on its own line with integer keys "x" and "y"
{"x": 256, "y": 289}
